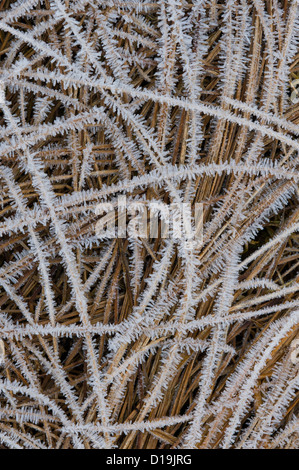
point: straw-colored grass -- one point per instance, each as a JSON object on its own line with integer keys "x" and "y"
{"x": 149, "y": 343}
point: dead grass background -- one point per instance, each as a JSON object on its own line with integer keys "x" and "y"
{"x": 114, "y": 301}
